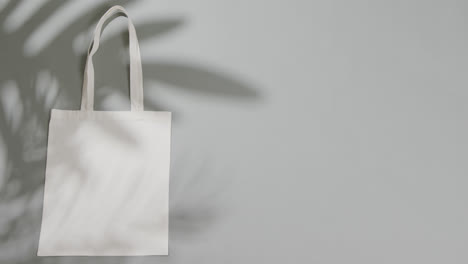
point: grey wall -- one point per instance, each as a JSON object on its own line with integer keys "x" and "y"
{"x": 326, "y": 131}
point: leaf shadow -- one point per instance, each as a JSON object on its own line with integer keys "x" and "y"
{"x": 198, "y": 79}
{"x": 21, "y": 185}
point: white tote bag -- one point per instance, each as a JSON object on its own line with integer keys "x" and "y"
{"x": 107, "y": 173}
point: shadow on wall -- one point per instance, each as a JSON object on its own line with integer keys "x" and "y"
{"x": 33, "y": 80}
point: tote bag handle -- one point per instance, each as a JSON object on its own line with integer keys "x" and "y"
{"x": 136, "y": 77}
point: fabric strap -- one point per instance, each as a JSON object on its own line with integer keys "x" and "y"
{"x": 136, "y": 76}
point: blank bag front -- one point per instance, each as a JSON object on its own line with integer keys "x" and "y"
{"x": 107, "y": 173}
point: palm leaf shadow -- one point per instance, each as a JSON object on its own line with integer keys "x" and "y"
{"x": 197, "y": 79}
{"x": 19, "y": 227}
